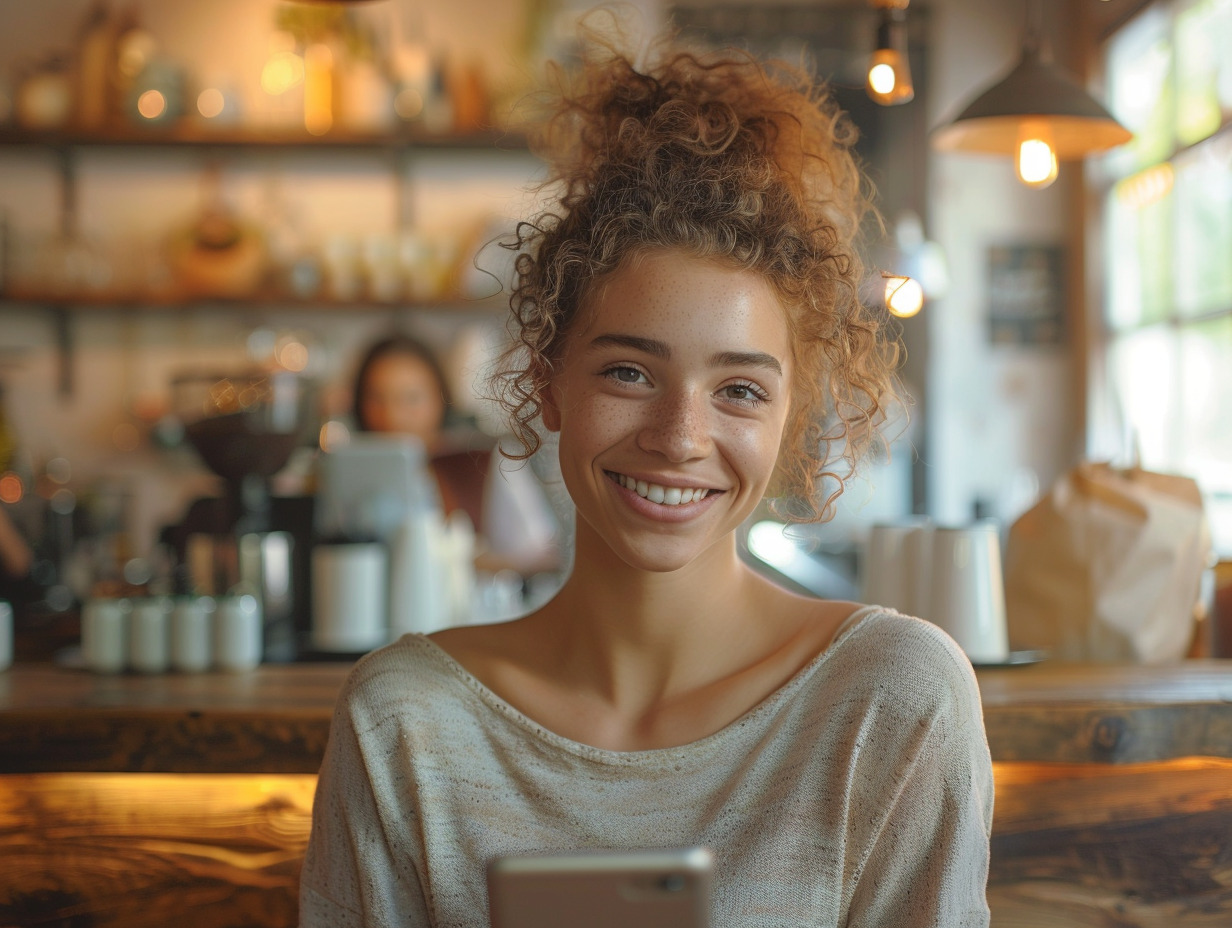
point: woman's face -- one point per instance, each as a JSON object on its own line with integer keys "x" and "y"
{"x": 670, "y": 400}
{"x": 400, "y": 395}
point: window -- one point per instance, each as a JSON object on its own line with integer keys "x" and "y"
{"x": 1166, "y": 230}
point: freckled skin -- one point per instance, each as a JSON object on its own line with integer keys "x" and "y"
{"x": 680, "y": 422}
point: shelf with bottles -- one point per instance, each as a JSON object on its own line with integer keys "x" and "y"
{"x": 189, "y": 135}
{"x": 265, "y": 298}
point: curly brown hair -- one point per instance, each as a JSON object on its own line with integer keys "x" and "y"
{"x": 724, "y": 157}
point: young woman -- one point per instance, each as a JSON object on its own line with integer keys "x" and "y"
{"x": 689, "y": 326}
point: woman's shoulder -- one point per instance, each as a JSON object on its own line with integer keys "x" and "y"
{"x": 896, "y": 634}
{"x": 410, "y": 671}
{"x": 904, "y": 657}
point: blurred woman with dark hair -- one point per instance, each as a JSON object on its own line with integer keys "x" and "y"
{"x": 401, "y": 388}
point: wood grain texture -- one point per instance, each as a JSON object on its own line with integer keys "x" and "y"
{"x": 1137, "y": 846}
{"x": 1132, "y": 846}
{"x": 141, "y": 741}
{"x": 140, "y": 851}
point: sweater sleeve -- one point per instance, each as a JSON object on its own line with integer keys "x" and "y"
{"x": 927, "y": 864}
{"x": 350, "y": 875}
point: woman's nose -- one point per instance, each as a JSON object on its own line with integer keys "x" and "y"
{"x": 678, "y": 426}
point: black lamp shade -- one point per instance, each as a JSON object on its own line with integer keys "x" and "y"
{"x": 1035, "y": 91}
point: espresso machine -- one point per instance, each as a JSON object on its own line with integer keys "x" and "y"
{"x": 245, "y": 427}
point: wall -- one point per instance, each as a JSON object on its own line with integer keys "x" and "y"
{"x": 999, "y": 420}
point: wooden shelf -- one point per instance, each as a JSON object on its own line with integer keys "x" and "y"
{"x": 272, "y": 300}
{"x": 190, "y": 135}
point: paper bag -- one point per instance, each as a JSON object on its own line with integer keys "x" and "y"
{"x": 1107, "y": 567}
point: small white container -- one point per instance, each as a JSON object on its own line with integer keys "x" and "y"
{"x": 104, "y": 635}
{"x": 350, "y": 609}
{"x": 192, "y": 634}
{"x": 6, "y": 635}
{"x": 237, "y": 633}
{"x": 149, "y": 640}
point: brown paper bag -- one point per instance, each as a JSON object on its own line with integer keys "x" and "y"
{"x": 1107, "y": 567}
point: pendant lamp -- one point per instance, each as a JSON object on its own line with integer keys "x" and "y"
{"x": 1038, "y": 115}
{"x": 889, "y": 75}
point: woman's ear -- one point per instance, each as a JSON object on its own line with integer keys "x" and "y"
{"x": 549, "y": 408}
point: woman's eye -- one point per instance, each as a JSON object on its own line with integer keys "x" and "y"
{"x": 624, "y": 374}
{"x": 744, "y": 393}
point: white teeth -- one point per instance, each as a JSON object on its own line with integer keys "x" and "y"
{"x": 666, "y": 496}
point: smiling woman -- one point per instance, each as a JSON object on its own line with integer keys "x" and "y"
{"x": 688, "y": 326}
{"x": 651, "y": 406}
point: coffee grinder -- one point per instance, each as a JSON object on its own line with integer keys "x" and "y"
{"x": 245, "y": 427}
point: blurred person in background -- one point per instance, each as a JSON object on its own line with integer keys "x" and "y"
{"x": 401, "y": 389}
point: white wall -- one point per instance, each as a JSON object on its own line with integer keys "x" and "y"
{"x": 997, "y": 418}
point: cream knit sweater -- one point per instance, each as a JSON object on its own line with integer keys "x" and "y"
{"x": 858, "y": 794}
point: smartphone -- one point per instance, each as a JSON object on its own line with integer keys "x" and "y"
{"x": 667, "y": 888}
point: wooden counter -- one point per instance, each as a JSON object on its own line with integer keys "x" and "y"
{"x": 276, "y": 718}
{"x": 141, "y": 801}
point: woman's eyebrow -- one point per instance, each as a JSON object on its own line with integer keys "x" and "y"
{"x": 649, "y": 346}
{"x": 746, "y": 359}
{"x": 658, "y": 349}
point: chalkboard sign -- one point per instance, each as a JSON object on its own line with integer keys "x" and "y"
{"x": 1026, "y": 294}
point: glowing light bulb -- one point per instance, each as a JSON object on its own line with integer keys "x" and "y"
{"x": 1036, "y": 163}
{"x": 889, "y": 77}
{"x": 904, "y": 297}
{"x": 151, "y": 104}
{"x": 888, "y": 81}
{"x": 11, "y": 488}
{"x": 881, "y": 78}
{"x": 210, "y": 102}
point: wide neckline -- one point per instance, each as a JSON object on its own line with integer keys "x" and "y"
{"x": 649, "y": 756}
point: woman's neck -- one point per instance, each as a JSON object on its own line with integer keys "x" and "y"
{"x": 651, "y": 633}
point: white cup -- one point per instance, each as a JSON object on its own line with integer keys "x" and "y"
{"x": 350, "y": 584}
{"x": 237, "y": 633}
{"x": 896, "y": 566}
{"x": 149, "y": 639}
{"x": 6, "y": 635}
{"x": 968, "y": 592}
{"x": 104, "y": 635}
{"x": 192, "y": 634}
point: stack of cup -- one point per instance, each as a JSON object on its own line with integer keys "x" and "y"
{"x": 950, "y": 576}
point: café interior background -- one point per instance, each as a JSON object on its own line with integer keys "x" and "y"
{"x": 991, "y": 423}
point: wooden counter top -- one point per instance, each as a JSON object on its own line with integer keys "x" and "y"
{"x": 1133, "y": 827}
{"x": 276, "y": 719}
